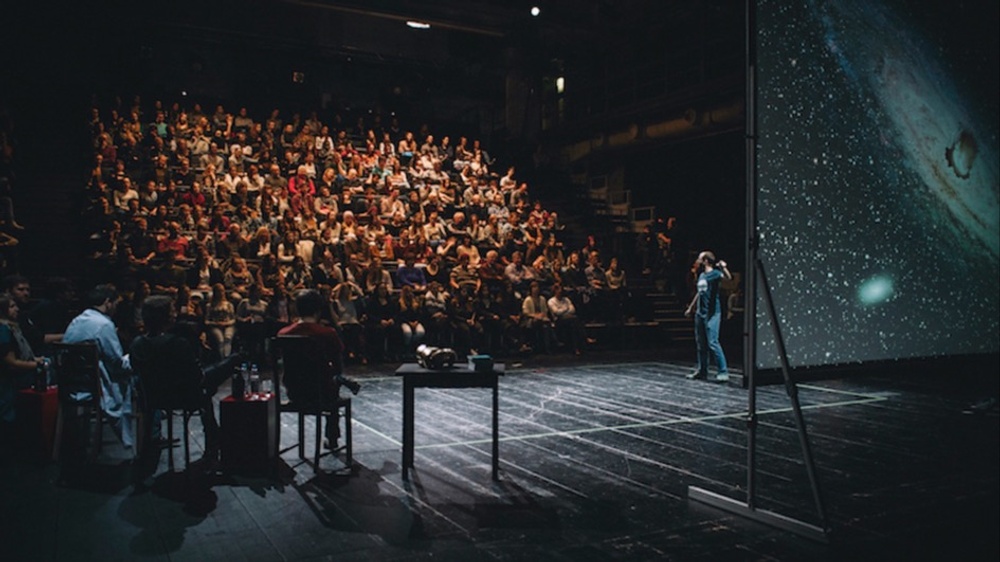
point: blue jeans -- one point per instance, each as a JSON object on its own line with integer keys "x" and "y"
{"x": 706, "y": 335}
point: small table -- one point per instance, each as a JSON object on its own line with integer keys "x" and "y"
{"x": 415, "y": 376}
{"x": 249, "y": 432}
{"x": 35, "y": 417}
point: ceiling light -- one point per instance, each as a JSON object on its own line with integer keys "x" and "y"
{"x": 535, "y": 10}
{"x": 418, "y": 24}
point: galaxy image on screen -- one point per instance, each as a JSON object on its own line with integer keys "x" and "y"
{"x": 877, "y": 181}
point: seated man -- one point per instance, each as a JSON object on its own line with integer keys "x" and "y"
{"x": 95, "y": 324}
{"x": 309, "y": 304}
{"x": 166, "y": 362}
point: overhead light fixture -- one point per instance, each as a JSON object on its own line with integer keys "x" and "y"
{"x": 560, "y": 85}
{"x": 535, "y": 10}
{"x": 417, "y": 24}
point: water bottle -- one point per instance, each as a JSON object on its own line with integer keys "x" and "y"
{"x": 42, "y": 376}
{"x": 239, "y": 383}
{"x": 254, "y": 379}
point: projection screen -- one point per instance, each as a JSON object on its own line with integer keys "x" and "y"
{"x": 877, "y": 179}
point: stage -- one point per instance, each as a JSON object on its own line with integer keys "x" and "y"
{"x": 595, "y": 462}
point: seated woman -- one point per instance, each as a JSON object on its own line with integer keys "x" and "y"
{"x": 220, "y": 321}
{"x": 17, "y": 361}
{"x": 409, "y": 319}
{"x": 348, "y": 304}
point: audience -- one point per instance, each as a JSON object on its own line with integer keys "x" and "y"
{"x": 404, "y": 239}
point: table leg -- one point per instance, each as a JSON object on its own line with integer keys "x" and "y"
{"x": 407, "y": 428}
{"x": 496, "y": 433}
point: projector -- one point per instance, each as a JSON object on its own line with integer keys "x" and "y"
{"x": 436, "y": 358}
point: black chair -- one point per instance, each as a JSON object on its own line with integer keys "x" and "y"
{"x": 78, "y": 377}
{"x": 170, "y": 406}
{"x": 301, "y": 357}
{"x": 162, "y": 388}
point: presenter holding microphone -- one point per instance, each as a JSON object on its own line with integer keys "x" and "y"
{"x": 707, "y": 310}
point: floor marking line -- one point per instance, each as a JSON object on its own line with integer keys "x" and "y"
{"x": 698, "y": 419}
{"x": 355, "y": 421}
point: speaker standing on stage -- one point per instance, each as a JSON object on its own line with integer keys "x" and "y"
{"x": 707, "y": 309}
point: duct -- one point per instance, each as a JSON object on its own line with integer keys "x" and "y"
{"x": 622, "y": 138}
{"x": 690, "y": 121}
{"x": 725, "y": 114}
{"x": 673, "y": 126}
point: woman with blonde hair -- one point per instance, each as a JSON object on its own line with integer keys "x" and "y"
{"x": 220, "y": 321}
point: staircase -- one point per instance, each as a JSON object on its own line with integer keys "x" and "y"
{"x": 668, "y": 313}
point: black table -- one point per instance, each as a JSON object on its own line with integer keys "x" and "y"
{"x": 415, "y": 376}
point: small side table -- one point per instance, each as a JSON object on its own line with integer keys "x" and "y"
{"x": 415, "y": 376}
{"x": 249, "y": 433}
{"x": 35, "y": 416}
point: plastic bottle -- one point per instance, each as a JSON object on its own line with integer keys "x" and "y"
{"x": 254, "y": 379}
{"x": 239, "y": 383}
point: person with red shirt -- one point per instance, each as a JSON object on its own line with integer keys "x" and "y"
{"x": 309, "y": 304}
{"x": 301, "y": 183}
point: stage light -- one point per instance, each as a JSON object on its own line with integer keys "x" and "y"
{"x": 560, "y": 85}
{"x": 418, "y": 24}
{"x": 535, "y": 10}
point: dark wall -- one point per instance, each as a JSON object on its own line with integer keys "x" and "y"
{"x": 700, "y": 181}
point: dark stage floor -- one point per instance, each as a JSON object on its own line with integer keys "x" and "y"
{"x": 595, "y": 462}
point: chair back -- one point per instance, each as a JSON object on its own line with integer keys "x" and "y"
{"x": 77, "y": 370}
{"x": 169, "y": 376}
{"x": 304, "y": 371}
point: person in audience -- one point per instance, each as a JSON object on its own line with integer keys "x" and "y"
{"x": 410, "y": 319}
{"x": 617, "y": 291}
{"x": 464, "y": 276}
{"x": 517, "y": 273}
{"x": 437, "y": 271}
{"x": 468, "y": 249}
{"x": 436, "y": 314}
{"x": 309, "y": 304}
{"x": 597, "y": 282}
{"x": 382, "y": 333}
{"x": 375, "y": 275}
{"x": 535, "y": 319}
{"x": 220, "y": 321}
{"x": 348, "y": 307}
{"x": 409, "y": 275}
{"x": 509, "y": 309}
{"x": 250, "y": 314}
{"x": 568, "y": 326}
{"x": 298, "y": 276}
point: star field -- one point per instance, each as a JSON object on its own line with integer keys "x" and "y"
{"x": 868, "y": 255}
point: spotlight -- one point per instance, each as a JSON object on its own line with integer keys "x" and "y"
{"x": 418, "y": 24}
{"x": 535, "y": 10}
